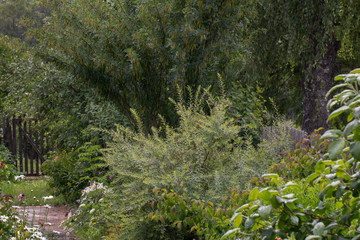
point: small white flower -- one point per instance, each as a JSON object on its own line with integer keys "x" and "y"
{"x": 47, "y": 206}
{"x": 4, "y": 218}
{"x": 92, "y": 210}
{"x": 48, "y": 197}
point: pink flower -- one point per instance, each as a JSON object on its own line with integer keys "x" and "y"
{"x": 21, "y": 196}
{"x": 100, "y": 172}
{"x": 110, "y": 177}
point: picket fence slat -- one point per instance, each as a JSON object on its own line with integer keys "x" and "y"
{"x": 25, "y": 143}
{"x": 271, "y": 132}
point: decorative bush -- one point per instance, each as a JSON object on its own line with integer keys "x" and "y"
{"x": 72, "y": 171}
{"x": 201, "y": 159}
{"x": 7, "y": 168}
{"x": 301, "y": 162}
{"x": 276, "y": 212}
{"x": 91, "y": 220}
{"x": 191, "y": 218}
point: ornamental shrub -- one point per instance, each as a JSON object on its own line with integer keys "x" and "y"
{"x": 72, "y": 171}
{"x": 201, "y": 159}
{"x": 7, "y": 168}
{"x": 276, "y": 212}
{"x": 301, "y": 162}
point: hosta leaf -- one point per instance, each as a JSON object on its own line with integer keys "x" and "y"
{"x": 336, "y": 147}
{"x": 242, "y": 207}
{"x": 320, "y": 167}
{"x": 249, "y": 223}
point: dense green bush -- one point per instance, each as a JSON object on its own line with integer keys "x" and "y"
{"x": 201, "y": 159}
{"x": 192, "y": 218}
{"x": 301, "y": 162}
{"x": 72, "y": 171}
{"x": 7, "y": 167}
{"x": 277, "y": 211}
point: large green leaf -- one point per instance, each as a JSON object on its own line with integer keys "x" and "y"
{"x": 337, "y": 87}
{"x": 355, "y": 150}
{"x": 265, "y": 211}
{"x": 356, "y": 70}
{"x": 335, "y": 148}
{"x": 254, "y": 194}
{"x": 230, "y": 233}
{"x": 332, "y": 134}
{"x": 350, "y": 127}
{"x": 337, "y": 112}
{"x": 310, "y": 178}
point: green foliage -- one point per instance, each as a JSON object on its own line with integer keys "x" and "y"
{"x": 69, "y": 111}
{"x": 18, "y": 15}
{"x": 198, "y": 219}
{"x": 34, "y": 191}
{"x": 302, "y": 161}
{"x": 72, "y": 171}
{"x": 91, "y": 219}
{"x": 136, "y": 53}
{"x": 296, "y": 47}
{"x": 200, "y": 159}
{"x": 7, "y": 168}
{"x": 336, "y": 214}
{"x": 13, "y": 224}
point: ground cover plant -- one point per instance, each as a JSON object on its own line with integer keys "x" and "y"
{"x": 275, "y": 212}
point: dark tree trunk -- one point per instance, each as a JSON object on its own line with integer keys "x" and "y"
{"x": 317, "y": 83}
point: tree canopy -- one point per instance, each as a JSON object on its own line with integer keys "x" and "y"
{"x": 136, "y": 53}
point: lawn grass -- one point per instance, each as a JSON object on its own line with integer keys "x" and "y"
{"x": 34, "y": 190}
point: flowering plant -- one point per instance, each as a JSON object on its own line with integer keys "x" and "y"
{"x": 13, "y": 224}
{"x": 90, "y": 221}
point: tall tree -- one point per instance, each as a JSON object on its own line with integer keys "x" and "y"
{"x": 16, "y": 16}
{"x": 298, "y": 44}
{"x": 137, "y": 52}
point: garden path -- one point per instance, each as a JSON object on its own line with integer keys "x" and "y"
{"x": 55, "y": 215}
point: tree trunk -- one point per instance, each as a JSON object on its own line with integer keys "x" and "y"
{"x": 318, "y": 81}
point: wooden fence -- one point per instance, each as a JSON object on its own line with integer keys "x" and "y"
{"x": 26, "y": 144}
{"x": 295, "y": 135}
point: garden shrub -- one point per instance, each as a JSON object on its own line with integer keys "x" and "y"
{"x": 7, "y": 167}
{"x": 301, "y": 162}
{"x": 92, "y": 218}
{"x": 72, "y": 171}
{"x": 193, "y": 218}
{"x": 200, "y": 159}
{"x": 276, "y": 212}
